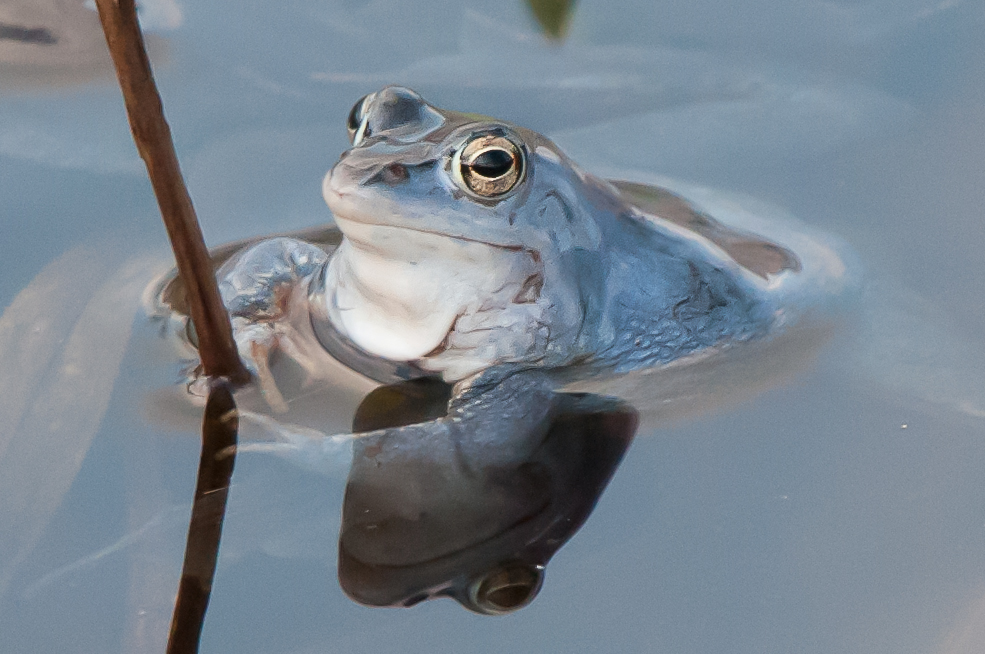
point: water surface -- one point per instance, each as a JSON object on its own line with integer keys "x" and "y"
{"x": 841, "y": 512}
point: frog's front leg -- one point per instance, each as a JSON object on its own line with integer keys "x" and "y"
{"x": 256, "y": 288}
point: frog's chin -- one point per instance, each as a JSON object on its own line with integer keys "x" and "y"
{"x": 406, "y": 339}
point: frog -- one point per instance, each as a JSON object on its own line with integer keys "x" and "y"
{"x": 470, "y": 249}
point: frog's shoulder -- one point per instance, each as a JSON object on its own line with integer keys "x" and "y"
{"x": 755, "y": 253}
{"x": 170, "y": 297}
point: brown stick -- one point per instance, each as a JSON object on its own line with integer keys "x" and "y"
{"x": 153, "y": 138}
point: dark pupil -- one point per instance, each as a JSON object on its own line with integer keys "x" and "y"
{"x": 355, "y": 116}
{"x": 492, "y": 163}
{"x": 509, "y": 597}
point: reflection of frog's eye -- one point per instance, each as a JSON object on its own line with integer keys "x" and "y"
{"x": 489, "y": 165}
{"x": 506, "y": 588}
{"x": 355, "y": 119}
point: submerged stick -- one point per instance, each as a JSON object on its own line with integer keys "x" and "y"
{"x": 153, "y": 139}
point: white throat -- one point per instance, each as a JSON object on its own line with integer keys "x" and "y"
{"x": 397, "y": 293}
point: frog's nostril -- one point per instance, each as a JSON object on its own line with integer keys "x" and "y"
{"x": 390, "y": 175}
{"x": 394, "y": 173}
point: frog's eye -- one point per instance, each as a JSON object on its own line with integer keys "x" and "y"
{"x": 489, "y": 165}
{"x": 506, "y": 588}
{"x": 355, "y": 119}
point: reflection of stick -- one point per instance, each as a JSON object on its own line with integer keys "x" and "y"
{"x": 153, "y": 139}
{"x": 219, "y": 429}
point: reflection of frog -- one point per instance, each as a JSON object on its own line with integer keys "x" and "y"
{"x": 434, "y": 515}
{"x": 469, "y": 243}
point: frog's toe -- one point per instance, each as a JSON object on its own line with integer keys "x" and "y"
{"x": 248, "y": 335}
{"x": 256, "y": 343}
{"x": 305, "y": 447}
{"x": 285, "y": 432}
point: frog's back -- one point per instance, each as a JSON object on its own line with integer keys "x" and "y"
{"x": 824, "y": 273}
{"x": 756, "y": 254}
{"x": 682, "y": 282}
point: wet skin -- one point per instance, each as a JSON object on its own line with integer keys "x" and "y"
{"x": 469, "y": 245}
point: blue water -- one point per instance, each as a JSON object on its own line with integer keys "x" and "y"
{"x": 843, "y": 511}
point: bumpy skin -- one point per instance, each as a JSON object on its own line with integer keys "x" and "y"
{"x": 564, "y": 270}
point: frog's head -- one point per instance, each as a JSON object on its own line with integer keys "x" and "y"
{"x": 459, "y": 175}
{"x": 490, "y": 221}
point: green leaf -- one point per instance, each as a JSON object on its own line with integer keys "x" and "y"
{"x": 553, "y": 16}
